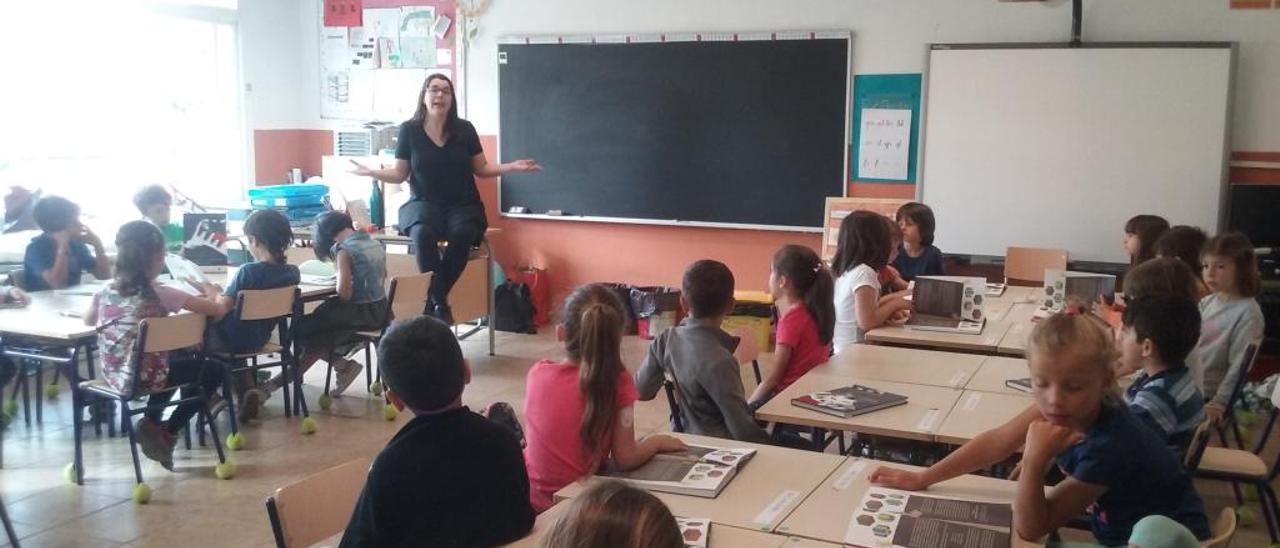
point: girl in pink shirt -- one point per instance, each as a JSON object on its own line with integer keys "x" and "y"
{"x": 578, "y": 412}
{"x": 802, "y": 290}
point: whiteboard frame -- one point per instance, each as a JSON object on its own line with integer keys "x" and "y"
{"x": 1224, "y": 190}
{"x": 709, "y": 36}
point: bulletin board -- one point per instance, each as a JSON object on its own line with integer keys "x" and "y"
{"x": 839, "y": 208}
{"x": 375, "y": 55}
{"x": 886, "y": 128}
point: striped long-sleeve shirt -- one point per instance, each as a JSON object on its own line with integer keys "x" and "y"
{"x": 1169, "y": 402}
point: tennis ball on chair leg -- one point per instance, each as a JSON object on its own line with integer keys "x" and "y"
{"x": 225, "y": 470}
{"x": 1245, "y": 515}
{"x": 11, "y": 408}
{"x": 236, "y": 441}
{"x": 376, "y": 388}
{"x": 308, "y": 426}
{"x": 69, "y": 473}
{"x": 142, "y": 493}
{"x": 325, "y": 402}
{"x": 51, "y": 391}
{"x": 389, "y": 412}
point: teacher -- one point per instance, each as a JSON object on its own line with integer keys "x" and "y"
{"x": 440, "y": 154}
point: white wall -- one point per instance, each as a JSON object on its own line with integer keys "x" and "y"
{"x": 281, "y": 61}
{"x": 890, "y": 36}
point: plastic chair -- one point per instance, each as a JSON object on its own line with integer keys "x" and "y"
{"x": 1246, "y": 366}
{"x": 283, "y": 306}
{"x": 162, "y": 334}
{"x": 748, "y": 350}
{"x": 406, "y": 297}
{"x": 1241, "y": 466}
{"x": 1224, "y": 528}
{"x": 317, "y": 507}
{"x": 1195, "y": 448}
{"x": 1026, "y": 265}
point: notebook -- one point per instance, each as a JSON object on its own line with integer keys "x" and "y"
{"x": 205, "y": 240}
{"x": 948, "y": 303}
{"x": 849, "y": 401}
{"x": 700, "y": 471}
{"x": 1021, "y": 385}
{"x": 889, "y": 517}
{"x": 995, "y": 289}
{"x": 694, "y": 531}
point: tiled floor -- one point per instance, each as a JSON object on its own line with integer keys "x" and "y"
{"x": 191, "y": 508}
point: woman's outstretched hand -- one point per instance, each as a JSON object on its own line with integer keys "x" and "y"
{"x": 525, "y": 165}
{"x": 361, "y": 169}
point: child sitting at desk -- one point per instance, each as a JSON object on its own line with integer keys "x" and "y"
{"x": 1185, "y": 243}
{"x": 802, "y": 291}
{"x": 615, "y": 515}
{"x": 698, "y": 355}
{"x": 918, "y": 256}
{"x": 1158, "y": 333}
{"x": 117, "y": 311}
{"x": 1231, "y": 319}
{"x": 1117, "y": 468}
{"x": 862, "y": 250}
{"x": 56, "y": 258}
{"x": 156, "y": 204}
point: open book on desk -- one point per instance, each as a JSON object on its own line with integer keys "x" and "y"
{"x": 849, "y": 401}
{"x": 888, "y": 517}
{"x": 699, "y": 471}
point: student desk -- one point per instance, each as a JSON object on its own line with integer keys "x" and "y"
{"x": 976, "y": 412}
{"x": 918, "y": 419}
{"x": 1014, "y": 342}
{"x": 722, "y": 536}
{"x": 982, "y": 343}
{"x": 995, "y": 370}
{"x": 765, "y": 491}
{"x": 1015, "y": 294}
{"x": 904, "y": 365}
{"x": 826, "y": 513}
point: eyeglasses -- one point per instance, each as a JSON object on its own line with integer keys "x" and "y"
{"x": 438, "y": 91}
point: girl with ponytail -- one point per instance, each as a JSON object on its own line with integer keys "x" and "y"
{"x": 802, "y": 289}
{"x": 578, "y": 412}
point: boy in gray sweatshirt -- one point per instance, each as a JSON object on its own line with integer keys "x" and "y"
{"x": 698, "y": 355}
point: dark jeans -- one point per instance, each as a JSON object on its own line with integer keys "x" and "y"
{"x": 463, "y": 227}
{"x": 206, "y": 374}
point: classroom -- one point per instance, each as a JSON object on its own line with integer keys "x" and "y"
{"x": 606, "y": 273}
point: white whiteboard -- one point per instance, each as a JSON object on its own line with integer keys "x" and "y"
{"x": 1059, "y": 147}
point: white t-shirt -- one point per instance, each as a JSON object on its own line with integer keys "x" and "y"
{"x": 847, "y": 331}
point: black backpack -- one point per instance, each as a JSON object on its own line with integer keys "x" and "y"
{"x": 513, "y": 308}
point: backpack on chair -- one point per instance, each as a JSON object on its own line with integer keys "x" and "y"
{"x": 513, "y": 308}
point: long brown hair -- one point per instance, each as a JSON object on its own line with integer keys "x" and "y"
{"x": 864, "y": 239}
{"x": 137, "y": 245}
{"x": 1148, "y": 229}
{"x": 612, "y": 514}
{"x": 592, "y": 320}
{"x": 420, "y": 114}
{"x": 810, "y": 277}
{"x": 1237, "y": 247}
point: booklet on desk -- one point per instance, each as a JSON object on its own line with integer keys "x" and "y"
{"x": 694, "y": 531}
{"x": 1021, "y": 385}
{"x": 699, "y": 471}
{"x": 888, "y": 517}
{"x": 849, "y": 401}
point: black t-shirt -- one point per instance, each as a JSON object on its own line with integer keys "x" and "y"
{"x": 440, "y": 175}
{"x": 453, "y": 479}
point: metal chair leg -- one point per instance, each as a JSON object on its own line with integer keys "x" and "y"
{"x": 77, "y": 426}
{"x": 133, "y": 447}
{"x": 8, "y": 527}
{"x": 40, "y": 394}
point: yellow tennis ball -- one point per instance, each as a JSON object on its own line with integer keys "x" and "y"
{"x": 376, "y": 388}
{"x": 69, "y": 473}
{"x": 142, "y": 493}
{"x": 325, "y": 402}
{"x": 1246, "y": 517}
{"x": 51, "y": 391}
{"x": 225, "y": 470}
{"x": 11, "y": 408}
{"x": 236, "y": 441}
{"x": 389, "y": 412}
{"x": 308, "y": 426}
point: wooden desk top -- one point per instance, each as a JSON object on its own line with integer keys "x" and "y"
{"x": 722, "y": 536}
{"x": 826, "y": 513}
{"x": 994, "y": 371}
{"x": 976, "y": 412}
{"x": 985, "y": 342}
{"x": 918, "y": 419}
{"x": 1014, "y": 342}
{"x": 905, "y": 365}
{"x": 775, "y": 476}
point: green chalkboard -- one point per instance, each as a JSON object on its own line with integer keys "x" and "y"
{"x": 894, "y": 91}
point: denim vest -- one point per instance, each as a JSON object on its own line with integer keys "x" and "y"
{"x": 368, "y": 268}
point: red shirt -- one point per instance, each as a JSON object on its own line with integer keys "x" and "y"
{"x": 798, "y": 329}
{"x": 553, "y": 405}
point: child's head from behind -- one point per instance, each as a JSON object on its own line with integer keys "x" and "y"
{"x": 1159, "y": 329}
{"x": 56, "y": 214}
{"x": 139, "y": 256}
{"x": 591, "y": 330}
{"x": 269, "y": 235}
{"x": 1230, "y": 265}
{"x": 917, "y": 223}
{"x": 154, "y": 202}
{"x": 1071, "y": 359}
{"x": 1140, "y": 235}
{"x": 1184, "y": 243}
{"x": 1162, "y": 276}
{"x": 326, "y": 229}
{"x": 864, "y": 239}
{"x": 798, "y": 273}
{"x": 707, "y": 288}
{"x": 612, "y": 514}
{"x": 895, "y": 238}
{"x": 422, "y": 364}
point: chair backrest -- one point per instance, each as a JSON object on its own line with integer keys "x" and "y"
{"x": 1246, "y": 366}
{"x": 266, "y": 304}
{"x": 1195, "y": 448}
{"x": 748, "y": 350}
{"x": 318, "y": 506}
{"x": 1027, "y": 264}
{"x": 1223, "y": 529}
{"x": 673, "y": 402}
{"x": 408, "y": 296}
{"x": 174, "y": 332}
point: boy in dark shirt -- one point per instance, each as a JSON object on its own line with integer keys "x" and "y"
{"x": 449, "y": 477}
{"x": 699, "y": 356}
{"x": 55, "y": 259}
{"x": 1158, "y": 333}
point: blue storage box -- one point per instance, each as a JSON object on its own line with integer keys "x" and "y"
{"x": 288, "y": 191}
